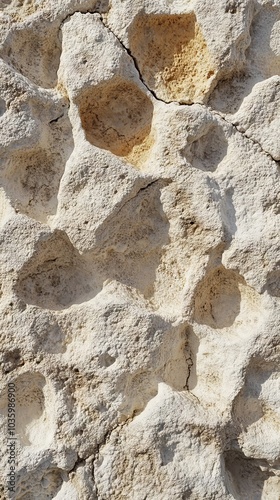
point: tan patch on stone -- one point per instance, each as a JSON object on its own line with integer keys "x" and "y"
{"x": 224, "y": 299}
{"x": 60, "y": 87}
{"x": 117, "y": 117}
{"x": 140, "y": 152}
{"x": 19, "y": 9}
{"x": 173, "y": 56}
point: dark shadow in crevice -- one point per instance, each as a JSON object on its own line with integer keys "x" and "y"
{"x": 261, "y": 63}
{"x": 243, "y": 476}
{"x": 129, "y": 250}
{"x": 218, "y": 298}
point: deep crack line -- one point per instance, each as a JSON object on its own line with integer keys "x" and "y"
{"x": 153, "y": 93}
{"x": 243, "y": 134}
{"x": 133, "y": 58}
{"x": 212, "y": 111}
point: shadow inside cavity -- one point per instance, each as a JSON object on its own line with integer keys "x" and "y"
{"x": 131, "y": 243}
{"x": 248, "y": 477}
{"x": 248, "y": 407}
{"x": 2, "y": 107}
{"x": 218, "y": 299}
{"x": 263, "y": 61}
{"x": 31, "y": 178}
{"x": 129, "y": 250}
{"x": 56, "y": 276}
{"x": 47, "y": 334}
{"x": 244, "y": 477}
{"x": 229, "y": 94}
{"x": 208, "y": 151}
{"x": 265, "y": 58}
{"x": 228, "y": 212}
{"x": 34, "y": 52}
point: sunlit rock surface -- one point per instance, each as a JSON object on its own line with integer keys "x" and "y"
{"x": 139, "y": 240}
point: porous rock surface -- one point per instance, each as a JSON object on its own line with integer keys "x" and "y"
{"x": 139, "y": 230}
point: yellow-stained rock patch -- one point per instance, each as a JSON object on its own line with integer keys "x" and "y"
{"x": 20, "y": 9}
{"x": 117, "y": 116}
{"x": 173, "y": 56}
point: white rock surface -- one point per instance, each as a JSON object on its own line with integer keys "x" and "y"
{"x": 139, "y": 241}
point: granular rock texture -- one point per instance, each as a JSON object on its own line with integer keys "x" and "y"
{"x": 139, "y": 241}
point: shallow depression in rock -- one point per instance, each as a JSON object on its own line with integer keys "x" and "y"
{"x": 223, "y": 300}
{"x": 34, "y": 421}
{"x": 56, "y": 276}
{"x": 117, "y": 116}
{"x": 172, "y": 55}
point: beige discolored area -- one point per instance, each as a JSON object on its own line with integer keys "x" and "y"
{"x": 20, "y": 9}
{"x": 223, "y": 299}
{"x": 173, "y": 56}
{"x": 117, "y": 116}
{"x": 39, "y": 485}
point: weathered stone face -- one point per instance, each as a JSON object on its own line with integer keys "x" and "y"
{"x": 172, "y": 56}
{"x": 139, "y": 241}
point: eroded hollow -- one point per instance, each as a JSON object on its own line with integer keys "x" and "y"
{"x": 117, "y": 116}
{"x": 255, "y": 409}
{"x": 208, "y": 151}
{"x": 31, "y": 177}
{"x": 244, "y": 477}
{"x": 262, "y": 61}
{"x": 254, "y": 398}
{"x": 132, "y": 243}
{"x": 34, "y": 423}
{"x": 56, "y": 276}
{"x": 265, "y": 57}
{"x": 42, "y": 484}
{"x": 34, "y": 52}
{"x": 32, "y": 182}
{"x": 224, "y": 299}
{"x": 172, "y": 56}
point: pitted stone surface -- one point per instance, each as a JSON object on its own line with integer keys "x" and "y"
{"x": 139, "y": 241}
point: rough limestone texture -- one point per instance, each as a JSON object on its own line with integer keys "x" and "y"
{"x": 139, "y": 241}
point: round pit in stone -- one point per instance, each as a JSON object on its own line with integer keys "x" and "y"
{"x": 116, "y": 116}
{"x": 172, "y": 56}
{"x": 224, "y": 300}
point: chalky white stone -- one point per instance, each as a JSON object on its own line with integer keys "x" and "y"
{"x": 139, "y": 231}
